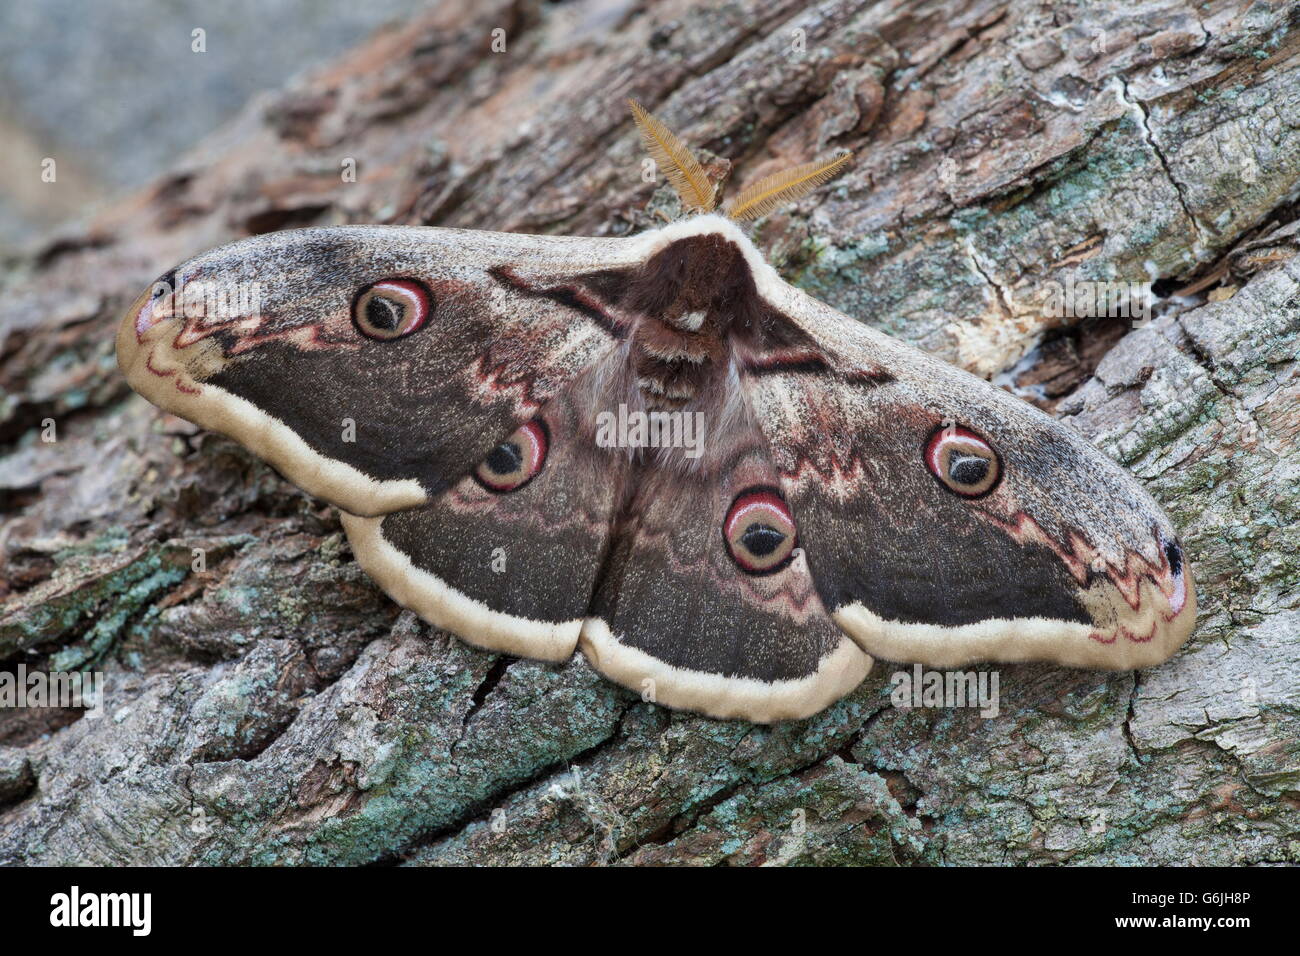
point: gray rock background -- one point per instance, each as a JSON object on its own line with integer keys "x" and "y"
{"x": 113, "y": 90}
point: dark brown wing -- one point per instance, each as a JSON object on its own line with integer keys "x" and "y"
{"x": 690, "y": 615}
{"x": 507, "y": 558}
{"x": 374, "y": 366}
{"x": 946, "y": 521}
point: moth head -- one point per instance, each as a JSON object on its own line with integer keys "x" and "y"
{"x": 699, "y": 193}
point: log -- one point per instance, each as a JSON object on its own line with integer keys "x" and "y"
{"x": 270, "y": 706}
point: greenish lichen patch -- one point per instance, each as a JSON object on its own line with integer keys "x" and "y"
{"x": 102, "y": 593}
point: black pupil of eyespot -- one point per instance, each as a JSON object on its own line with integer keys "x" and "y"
{"x": 761, "y": 540}
{"x": 967, "y": 469}
{"x": 383, "y": 314}
{"x": 505, "y": 459}
{"x": 1175, "y": 556}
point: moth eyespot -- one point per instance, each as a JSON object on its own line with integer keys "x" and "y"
{"x": 1174, "y": 558}
{"x": 391, "y": 308}
{"x": 962, "y": 461}
{"x": 1174, "y": 555}
{"x": 516, "y": 461}
{"x": 759, "y": 531}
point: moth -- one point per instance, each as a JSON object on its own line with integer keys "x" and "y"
{"x": 847, "y": 497}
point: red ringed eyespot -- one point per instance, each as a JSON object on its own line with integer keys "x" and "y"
{"x": 759, "y": 531}
{"x": 962, "y": 461}
{"x": 391, "y": 308}
{"x": 516, "y": 461}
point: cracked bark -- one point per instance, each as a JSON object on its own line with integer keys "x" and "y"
{"x": 275, "y": 708}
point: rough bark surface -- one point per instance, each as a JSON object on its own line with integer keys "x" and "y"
{"x": 277, "y": 708}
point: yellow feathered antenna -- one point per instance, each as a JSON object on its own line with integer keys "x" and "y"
{"x": 785, "y": 186}
{"x": 677, "y": 162}
{"x": 697, "y": 191}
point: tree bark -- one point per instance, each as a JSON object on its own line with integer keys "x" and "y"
{"x": 275, "y": 707}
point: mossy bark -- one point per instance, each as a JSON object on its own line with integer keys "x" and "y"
{"x": 272, "y": 706}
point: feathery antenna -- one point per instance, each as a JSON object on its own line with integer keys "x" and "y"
{"x": 678, "y": 163}
{"x": 785, "y": 186}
